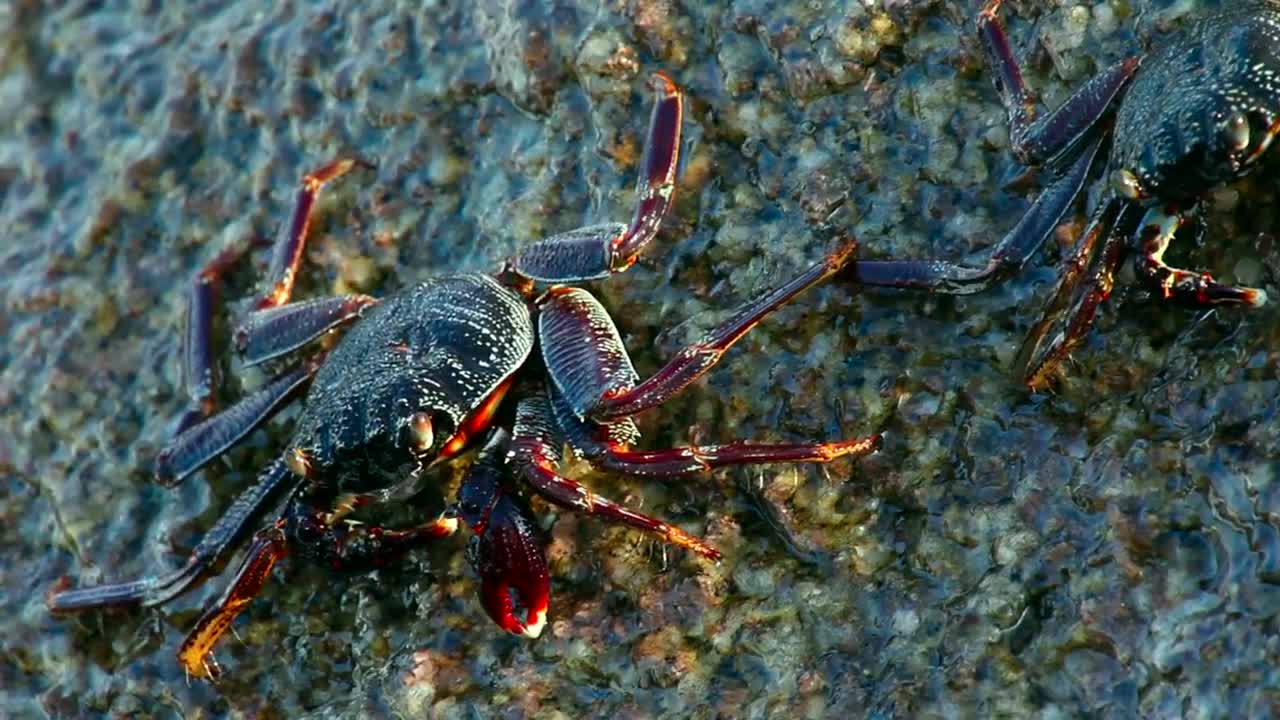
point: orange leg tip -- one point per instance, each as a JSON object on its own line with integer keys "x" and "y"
{"x": 51, "y": 595}
{"x": 663, "y": 83}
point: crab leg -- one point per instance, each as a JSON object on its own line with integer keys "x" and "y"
{"x": 270, "y": 333}
{"x": 535, "y": 448}
{"x": 194, "y": 654}
{"x": 199, "y": 444}
{"x": 1039, "y": 140}
{"x": 1115, "y": 221}
{"x": 1009, "y": 255}
{"x": 1157, "y": 231}
{"x": 602, "y": 396}
{"x": 341, "y": 546}
{"x": 598, "y": 251}
{"x": 586, "y": 359}
{"x": 288, "y": 248}
{"x": 693, "y": 460}
{"x": 199, "y": 370}
{"x": 150, "y": 592}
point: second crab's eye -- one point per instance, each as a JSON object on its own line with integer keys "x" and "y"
{"x": 1236, "y": 132}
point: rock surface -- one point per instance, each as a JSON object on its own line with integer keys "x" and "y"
{"x": 1111, "y": 549}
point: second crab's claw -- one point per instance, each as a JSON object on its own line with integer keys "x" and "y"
{"x": 512, "y": 566}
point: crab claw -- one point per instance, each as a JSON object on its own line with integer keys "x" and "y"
{"x": 508, "y": 557}
{"x": 506, "y": 550}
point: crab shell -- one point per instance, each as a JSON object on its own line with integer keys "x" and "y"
{"x": 445, "y": 349}
{"x": 1202, "y": 107}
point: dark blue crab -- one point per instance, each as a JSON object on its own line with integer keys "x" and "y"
{"x": 1199, "y": 111}
{"x": 516, "y": 360}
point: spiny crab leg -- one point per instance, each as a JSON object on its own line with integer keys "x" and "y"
{"x": 194, "y": 654}
{"x": 1066, "y": 141}
{"x": 150, "y": 592}
{"x": 598, "y": 251}
{"x": 535, "y": 449}
{"x": 199, "y": 370}
{"x": 696, "y": 459}
{"x": 656, "y": 187}
{"x": 1113, "y": 223}
{"x": 1006, "y": 258}
{"x": 340, "y": 545}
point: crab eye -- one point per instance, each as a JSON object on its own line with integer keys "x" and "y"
{"x": 421, "y": 432}
{"x": 1127, "y": 184}
{"x": 1236, "y": 132}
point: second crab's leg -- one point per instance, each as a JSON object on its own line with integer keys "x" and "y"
{"x": 1036, "y": 139}
{"x": 599, "y": 251}
{"x": 1008, "y": 256}
{"x": 1156, "y": 231}
{"x": 581, "y": 347}
{"x": 150, "y": 592}
{"x": 1039, "y": 360}
{"x": 535, "y": 454}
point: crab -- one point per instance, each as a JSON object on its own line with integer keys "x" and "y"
{"x": 1199, "y": 111}
{"x": 518, "y": 362}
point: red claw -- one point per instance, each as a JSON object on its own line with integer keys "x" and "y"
{"x": 507, "y": 554}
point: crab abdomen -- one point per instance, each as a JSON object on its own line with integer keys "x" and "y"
{"x": 1172, "y": 127}
{"x": 443, "y": 347}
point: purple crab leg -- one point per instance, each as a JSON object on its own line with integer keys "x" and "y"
{"x": 1114, "y": 221}
{"x": 199, "y": 370}
{"x": 586, "y": 359}
{"x": 337, "y": 544}
{"x": 1009, "y": 255}
{"x": 200, "y": 443}
{"x": 598, "y": 251}
{"x": 691, "y": 363}
{"x": 150, "y": 592}
{"x": 535, "y": 450}
{"x": 1157, "y": 230}
{"x": 598, "y": 443}
{"x": 287, "y": 255}
{"x": 270, "y": 333}
{"x": 1038, "y": 140}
